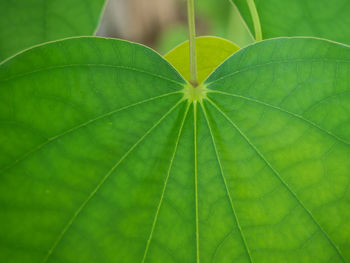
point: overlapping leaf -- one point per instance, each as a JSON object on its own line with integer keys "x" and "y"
{"x": 317, "y": 18}
{"x": 24, "y": 23}
{"x": 211, "y": 52}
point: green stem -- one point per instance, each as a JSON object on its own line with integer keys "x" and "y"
{"x": 256, "y": 20}
{"x": 192, "y": 40}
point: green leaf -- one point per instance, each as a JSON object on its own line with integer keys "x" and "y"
{"x": 31, "y": 22}
{"x": 317, "y": 18}
{"x": 108, "y": 155}
{"x": 211, "y": 52}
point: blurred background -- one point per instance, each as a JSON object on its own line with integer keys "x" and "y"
{"x": 162, "y": 24}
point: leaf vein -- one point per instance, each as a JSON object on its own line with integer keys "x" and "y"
{"x": 251, "y": 67}
{"x": 226, "y": 186}
{"x": 275, "y": 172}
{"x": 285, "y": 111}
{"x": 91, "y": 65}
{"x": 196, "y": 177}
{"x": 165, "y": 185}
{"x": 104, "y": 179}
{"x": 54, "y": 138}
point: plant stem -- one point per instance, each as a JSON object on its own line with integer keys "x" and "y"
{"x": 192, "y": 40}
{"x": 256, "y": 20}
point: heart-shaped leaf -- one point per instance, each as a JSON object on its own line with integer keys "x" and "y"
{"x": 31, "y": 22}
{"x": 318, "y": 18}
{"x": 108, "y": 155}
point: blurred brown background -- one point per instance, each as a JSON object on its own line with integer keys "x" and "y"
{"x": 162, "y": 24}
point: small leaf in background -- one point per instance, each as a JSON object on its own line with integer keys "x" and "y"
{"x": 211, "y": 52}
{"x": 220, "y": 19}
{"x": 172, "y": 37}
{"x": 31, "y": 22}
{"x": 103, "y": 160}
{"x": 316, "y": 18}
{"x": 237, "y": 30}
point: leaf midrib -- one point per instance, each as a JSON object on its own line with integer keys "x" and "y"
{"x": 196, "y": 178}
{"x": 244, "y": 241}
{"x": 155, "y": 220}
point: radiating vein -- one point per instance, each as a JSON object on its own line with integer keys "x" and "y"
{"x": 196, "y": 177}
{"x": 165, "y": 184}
{"x": 54, "y": 138}
{"x": 92, "y": 65}
{"x": 284, "y": 111}
{"x": 277, "y": 61}
{"x": 275, "y": 172}
{"x": 94, "y": 191}
{"x": 226, "y": 186}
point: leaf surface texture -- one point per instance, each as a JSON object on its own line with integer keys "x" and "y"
{"x": 103, "y": 158}
{"x": 316, "y": 18}
{"x": 30, "y": 22}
